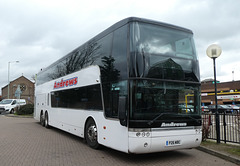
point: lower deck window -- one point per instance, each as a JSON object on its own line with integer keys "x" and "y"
{"x": 88, "y": 97}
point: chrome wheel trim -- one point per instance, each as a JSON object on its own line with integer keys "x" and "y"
{"x": 92, "y": 133}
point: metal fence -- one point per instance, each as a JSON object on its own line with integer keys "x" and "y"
{"x": 229, "y": 126}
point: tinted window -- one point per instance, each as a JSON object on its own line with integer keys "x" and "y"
{"x": 88, "y": 98}
{"x": 113, "y": 69}
{"x": 5, "y": 101}
{"x": 119, "y": 51}
{"x": 105, "y": 45}
{"x": 153, "y": 39}
{"x": 88, "y": 54}
{"x": 150, "y": 98}
{"x": 114, "y": 63}
{"x": 14, "y": 102}
{"x": 112, "y": 92}
{"x": 108, "y": 53}
{"x": 105, "y": 52}
{"x": 80, "y": 58}
{"x": 160, "y": 52}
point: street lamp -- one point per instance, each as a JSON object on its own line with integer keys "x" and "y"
{"x": 214, "y": 51}
{"x": 9, "y": 74}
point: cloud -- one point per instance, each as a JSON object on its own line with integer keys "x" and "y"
{"x": 38, "y": 32}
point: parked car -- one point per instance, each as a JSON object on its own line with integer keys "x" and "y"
{"x": 8, "y": 105}
{"x": 21, "y": 102}
{"x": 186, "y": 109}
{"x": 221, "y": 108}
{"x": 238, "y": 105}
{"x": 205, "y": 108}
{"x": 234, "y": 108}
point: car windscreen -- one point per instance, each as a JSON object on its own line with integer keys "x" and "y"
{"x": 6, "y": 102}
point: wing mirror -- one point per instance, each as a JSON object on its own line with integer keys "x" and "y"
{"x": 122, "y": 114}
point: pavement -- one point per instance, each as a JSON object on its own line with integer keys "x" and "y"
{"x": 213, "y": 152}
{"x": 222, "y": 155}
{"x": 18, "y": 116}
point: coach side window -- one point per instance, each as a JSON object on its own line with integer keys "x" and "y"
{"x": 111, "y": 98}
{"x": 119, "y": 51}
{"x": 88, "y": 98}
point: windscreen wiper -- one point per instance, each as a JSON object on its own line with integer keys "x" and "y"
{"x": 152, "y": 121}
{"x": 197, "y": 120}
{"x": 190, "y": 117}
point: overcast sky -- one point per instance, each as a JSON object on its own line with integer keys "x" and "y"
{"x": 38, "y": 32}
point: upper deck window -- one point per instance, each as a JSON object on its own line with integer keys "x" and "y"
{"x": 153, "y": 39}
{"x": 162, "y": 52}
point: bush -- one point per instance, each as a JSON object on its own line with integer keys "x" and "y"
{"x": 26, "y": 109}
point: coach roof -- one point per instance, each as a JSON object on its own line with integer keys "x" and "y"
{"x": 118, "y": 25}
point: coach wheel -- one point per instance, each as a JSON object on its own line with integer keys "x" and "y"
{"x": 42, "y": 122}
{"x": 46, "y": 120}
{"x": 91, "y": 134}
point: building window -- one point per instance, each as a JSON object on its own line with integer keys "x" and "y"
{"x": 23, "y": 87}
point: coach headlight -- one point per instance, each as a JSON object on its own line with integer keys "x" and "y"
{"x": 148, "y": 134}
{"x": 143, "y": 134}
{"x": 198, "y": 129}
{"x": 138, "y": 134}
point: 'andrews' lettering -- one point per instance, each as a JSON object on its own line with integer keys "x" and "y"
{"x": 65, "y": 83}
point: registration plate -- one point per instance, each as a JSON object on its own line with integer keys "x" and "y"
{"x": 173, "y": 143}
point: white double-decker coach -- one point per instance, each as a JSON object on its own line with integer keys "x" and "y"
{"x": 135, "y": 88}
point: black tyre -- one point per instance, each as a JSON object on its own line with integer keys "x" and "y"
{"x": 42, "y": 121}
{"x": 11, "y": 111}
{"x": 91, "y": 134}
{"x": 46, "y": 122}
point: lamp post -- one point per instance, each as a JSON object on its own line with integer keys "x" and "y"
{"x": 9, "y": 74}
{"x": 214, "y": 51}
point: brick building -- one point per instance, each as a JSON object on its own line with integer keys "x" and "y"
{"x": 227, "y": 92}
{"x": 26, "y": 86}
